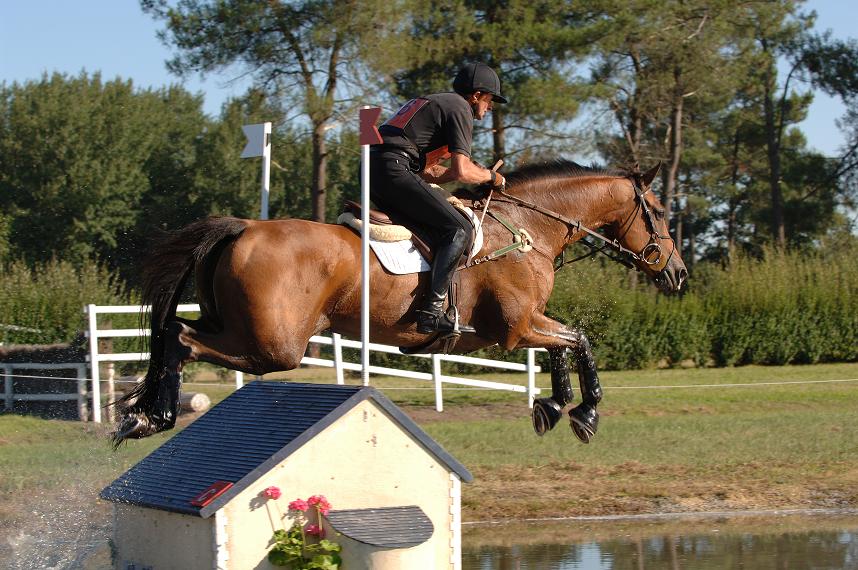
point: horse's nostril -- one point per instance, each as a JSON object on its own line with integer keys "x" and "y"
{"x": 682, "y": 276}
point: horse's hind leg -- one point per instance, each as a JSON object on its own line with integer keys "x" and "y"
{"x": 160, "y": 413}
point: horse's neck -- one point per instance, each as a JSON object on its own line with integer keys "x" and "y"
{"x": 594, "y": 201}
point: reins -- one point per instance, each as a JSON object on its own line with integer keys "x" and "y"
{"x": 575, "y": 226}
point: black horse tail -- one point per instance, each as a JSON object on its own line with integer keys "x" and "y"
{"x": 165, "y": 272}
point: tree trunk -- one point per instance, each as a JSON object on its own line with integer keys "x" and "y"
{"x": 678, "y": 229}
{"x": 635, "y": 126}
{"x": 498, "y": 135}
{"x": 675, "y": 144}
{"x": 320, "y": 159}
{"x": 692, "y": 246}
{"x": 774, "y": 155}
{"x": 733, "y": 204}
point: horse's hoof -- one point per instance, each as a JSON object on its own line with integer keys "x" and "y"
{"x": 545, "y": 415}
{"x": 133, "y": 426}
{"x": 584, "y": 420}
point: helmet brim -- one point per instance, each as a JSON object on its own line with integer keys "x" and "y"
{"x": 499, "y": 98}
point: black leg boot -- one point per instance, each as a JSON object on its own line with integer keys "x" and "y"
{"x": 432, "y": 318}
{"x": 548, "y": 411}
{"x": 584, "y": 418}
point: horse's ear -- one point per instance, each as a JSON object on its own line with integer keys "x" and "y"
{"x": 649, "y": 175}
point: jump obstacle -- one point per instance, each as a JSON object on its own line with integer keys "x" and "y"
{"x": 198, "y": 501}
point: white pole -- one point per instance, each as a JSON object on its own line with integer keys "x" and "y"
{"x": 368, "y": 135}
{"x": 364, "y": 304}
{"x": 336, "y": 339}
{"x": 266, "y": 171}
{"x": 8, "y": 390}
{"x": 259, "y": 144}
{"x": 92, "y": 313}
{"x": 436, "y": 377}
{"x": 531, "y": 376}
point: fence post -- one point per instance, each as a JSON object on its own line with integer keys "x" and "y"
{"x": 7, "y": 389}
{"x": 336, "y": 339}
{"x": 531, "y": 376}
{"x": 82, "y": 412}
{"x": 239, "y": 379}
{"x": 92, "y": 313}
{"x": 436, "y": 377}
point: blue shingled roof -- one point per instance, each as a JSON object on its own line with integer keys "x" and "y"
{"x": 245, "y": 436}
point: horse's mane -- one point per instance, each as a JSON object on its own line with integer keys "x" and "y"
{"x": 557, "y": 168}
{"x": 547, "y": 169}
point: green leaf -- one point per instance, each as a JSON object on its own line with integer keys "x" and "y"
{"x": 329, "y": 545}
{"x": 324, "y": 562}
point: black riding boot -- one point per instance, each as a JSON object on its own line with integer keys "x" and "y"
{"x": 431, "y": 317}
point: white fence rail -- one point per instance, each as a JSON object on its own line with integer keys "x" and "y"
{"x": 337, "y": 363}
{"x": 9, "y": 396}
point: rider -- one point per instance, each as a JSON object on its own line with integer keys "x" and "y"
{"x": 425, "y": 131}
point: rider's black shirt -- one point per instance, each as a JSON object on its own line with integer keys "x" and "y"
{"x": 431, "y": 127}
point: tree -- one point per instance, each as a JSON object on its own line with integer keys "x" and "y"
{"x": 661, "y": 58}
{"x": 531, "y": 44}
{"x": 301, "y": 52}
{"x": 72, "y": 164}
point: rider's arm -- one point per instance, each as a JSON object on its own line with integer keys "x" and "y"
{"x": 462, "y": 169}
{"x": 437, "y": 174}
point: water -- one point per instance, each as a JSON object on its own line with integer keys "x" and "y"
{"x": 785, "y": 542}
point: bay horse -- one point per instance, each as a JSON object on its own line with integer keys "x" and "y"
{"x": 265, "y": 287}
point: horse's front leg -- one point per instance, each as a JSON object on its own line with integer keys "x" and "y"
{"x": 548, "y": 411}
{"x": 559, "y": 340}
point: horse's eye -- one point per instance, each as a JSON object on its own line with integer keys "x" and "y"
{"x": 659, "y": 214}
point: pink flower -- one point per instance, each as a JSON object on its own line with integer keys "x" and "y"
{"x": 320, "y": 502}
{"x": 299, "y": 505}
{"x": 314, "y": 530}
{"x": 272, "y": 493}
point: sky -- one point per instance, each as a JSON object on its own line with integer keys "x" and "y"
{"x": 117, "y": 39}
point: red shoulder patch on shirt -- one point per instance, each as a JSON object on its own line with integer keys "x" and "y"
{"x": 403, "y": 116}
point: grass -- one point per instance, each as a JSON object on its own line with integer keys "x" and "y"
{"x": 657, "y": 450}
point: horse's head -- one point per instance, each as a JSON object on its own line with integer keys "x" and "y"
{"x": 642, "y": 228}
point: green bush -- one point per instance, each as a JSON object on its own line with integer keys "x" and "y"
{"x": 783, "y": 308}
{"x": 44, "y": 304}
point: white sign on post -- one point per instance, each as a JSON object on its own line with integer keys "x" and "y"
{"x": 259, "y": 144}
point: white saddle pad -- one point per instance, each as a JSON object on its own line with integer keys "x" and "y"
{"x": 401, "y": 257}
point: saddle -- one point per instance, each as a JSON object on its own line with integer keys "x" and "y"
{"x": 388, "y": 231}
{"x": 383, "y": 228}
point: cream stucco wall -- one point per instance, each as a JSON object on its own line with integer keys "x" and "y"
{"x": 363, "y": 460}
{"x": 359, "y": 555}
{"x": 162, "y": 540}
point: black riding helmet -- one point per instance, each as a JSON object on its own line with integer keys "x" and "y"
{"x": 478, "y": 77}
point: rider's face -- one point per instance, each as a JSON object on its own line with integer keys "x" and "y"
{"x": 482, "y": 103}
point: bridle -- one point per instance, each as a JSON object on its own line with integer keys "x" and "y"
{"x": 619, "y": 253}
